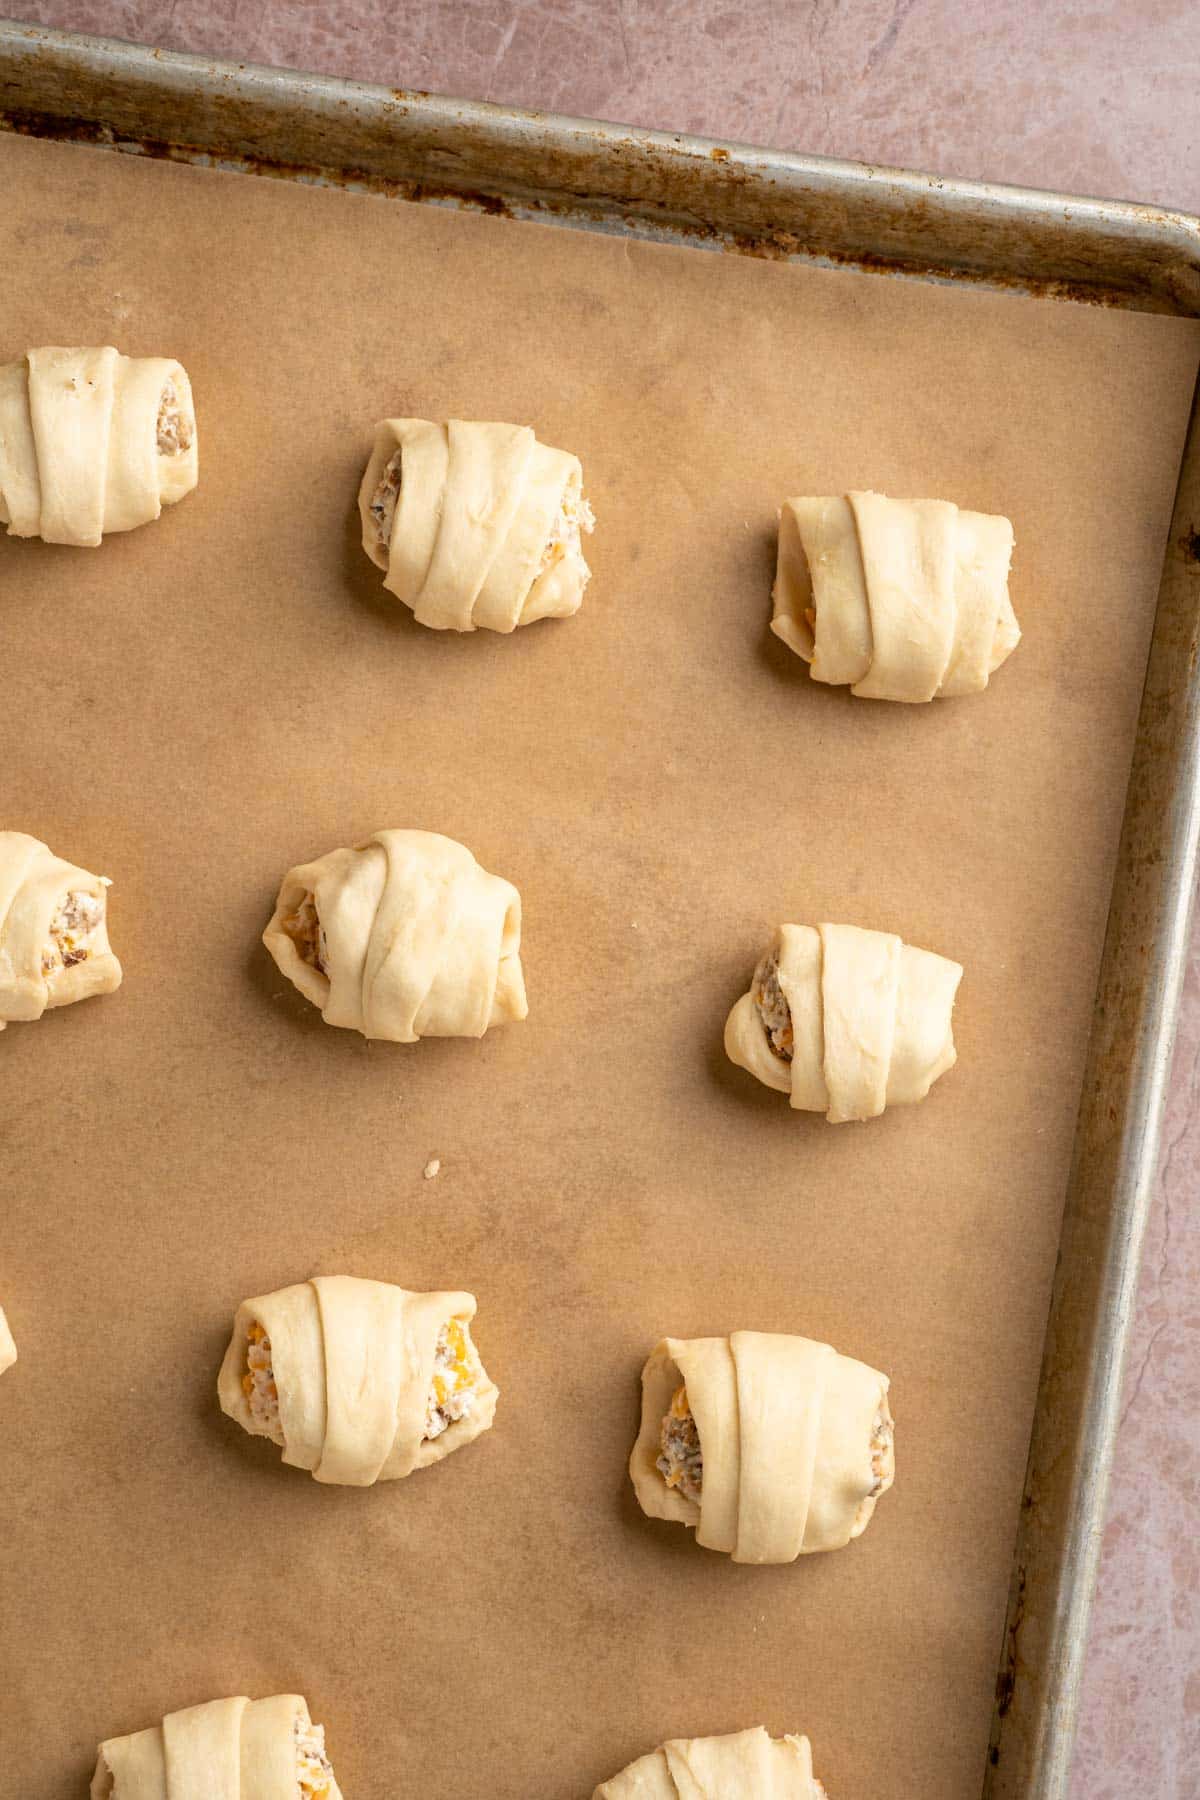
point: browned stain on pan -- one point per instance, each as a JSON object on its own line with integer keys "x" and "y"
{"x": 85, "y": 131}
{"x": 784, "y": 246}
{"x": 772, "y": 243}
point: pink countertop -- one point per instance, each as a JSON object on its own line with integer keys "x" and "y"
{"x": 1098, "y": 99}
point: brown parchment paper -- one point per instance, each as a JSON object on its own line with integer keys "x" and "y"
{"x": 208, "y": 700}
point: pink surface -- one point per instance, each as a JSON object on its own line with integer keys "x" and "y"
{"x": 1093, "y": 99}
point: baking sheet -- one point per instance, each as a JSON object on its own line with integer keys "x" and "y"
{"x": 208, "y": 700}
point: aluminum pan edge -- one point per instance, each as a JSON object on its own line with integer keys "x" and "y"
{"x": 775, "y": 204}
{"x": 1114, "y": 1169}
{"x": 761, "y": 201}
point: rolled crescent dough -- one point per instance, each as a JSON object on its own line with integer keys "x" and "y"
{"x": 786, "y": 1428}
{"x": 54, "y": 946}
{"x": 93, "y": 441}
{"x": 8, "y": 1350}
{"x": 234, "y": 1749}
{"x": 896, "y": 599}
{"x": 354, "y": 1366}
{"x": 476, "y": 525}
{"x": 414, "y": 939}
{"x": 870, "y": 1020}
{"x": 747, "y": 1765}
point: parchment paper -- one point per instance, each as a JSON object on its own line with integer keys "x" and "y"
{"x": 202, "y": 703}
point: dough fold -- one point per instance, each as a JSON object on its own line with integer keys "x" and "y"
{"x": 795, "y": 1441}
{"x": 235, "y": 1749}
{"x": 8, "y": 1350}
{"x": 475, "y": 525}
{"x": 846, "y": 1021}
{"x": 896, "y": 599}
{"x": 402, "y": 937}
{"x": 746, "y": 1765}
{"x": 359, "y": 1370}
{"x": 93, "y": 441}
{"x": 54, "y": 946}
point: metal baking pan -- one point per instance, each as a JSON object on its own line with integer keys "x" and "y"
{"x": 761, "y": 203}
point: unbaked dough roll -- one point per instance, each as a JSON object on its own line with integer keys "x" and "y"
{"x": 476, "y": 525}
{"x": 357, "y": 1381}
{"x": 235, "y": 1749}
{"x": 772, "y": 1447}
{"x": 747, "y": 1765}
{"x": 896, "y": 599}
{"x": 8, "y": 1350}
{"x": 846, "y": 1021}
{"x": 54, "y": 944}
{"x": 402, "y": 937}
{"x": 93, "y": 441}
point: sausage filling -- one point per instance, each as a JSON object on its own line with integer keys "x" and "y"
{"x": 303, "y": 926}
{"x": 258, "y": 1385}
{"x": 773, "y": 1009}
{"x": 72, "y": 929}
{"x": 457, "y": 1373}
{"x": 175, "y": 427}
{"x": 565, "y": 542}
{"x": 680, "y": 1462}
{"x": 883, "y": 1451}
{"x": 385, "y": 497}
{"x": 314, "y": 1772}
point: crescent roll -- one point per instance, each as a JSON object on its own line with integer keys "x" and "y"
{"x": 357, "y": 1381}
{"x": 771, "y": 1447}
{"x": 895, "y": 599}
{"x": 54, "y": 946}
{"x": 846, "y": 1021}
{"x": 8, "y": 1350}
{"x": 402, "y": 937}
{"x": 747, "y": 1765}
{"x": 235, "y": 1749}
{"x": 93, "y": 441}
{"x": 475, "y": 525}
